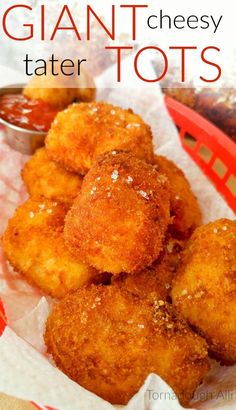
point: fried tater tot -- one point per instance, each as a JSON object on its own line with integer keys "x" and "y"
{"x": 84, "y": 131}
{"x": 34, "y": 245}
{"x": 109, "y": 340}
{"x": 46, "y": 178}
{"x": 205, "y": 287}
{"x": 118, "y": 222}
{"x": 184, "y": 207}
{"x": 157, "y": 278}
{"x": 50, "y": 90}
{"x": 60, "y": 91}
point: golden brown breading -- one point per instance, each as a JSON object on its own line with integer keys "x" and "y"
{"x": 34, "y": 245}
{"x": 109, "y": 340}
{"x": 50, "y": 90}
{"x": 46, "y": 178}
{"x": 157, "y": 278}
{"x": 118, "y": 222}
{"x": 183, "y": 204}
{"x": 205, "y": 288}
{"x": 84, "y": 131}
{"x": 60, "y": 91}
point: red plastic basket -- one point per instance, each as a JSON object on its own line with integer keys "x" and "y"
{"x": 208, "y": 146}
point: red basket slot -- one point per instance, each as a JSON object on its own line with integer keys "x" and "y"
{"x": 39, "y": 407}
{"x": 3, "y": 320}
{"x": 209, "y": 147}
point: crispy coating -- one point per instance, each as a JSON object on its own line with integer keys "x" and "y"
{"x": 60, "y": 91}
{"x": 205, "y": 288}
{"x": 34, "y": 245}
{"x": 84, "y": 131}
{"x": 46, "y": 178}
{"x": 157, "y": 278}
{"x": 108, "y": 340}
{"x": 118, "y": 222}
{"x": 51, "y": 90}
{"x": 183, "y": 204}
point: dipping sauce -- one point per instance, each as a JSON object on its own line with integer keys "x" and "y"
{"x": 34, "y": 115}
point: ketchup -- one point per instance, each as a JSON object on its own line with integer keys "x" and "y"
{"x": 35, "y": 115}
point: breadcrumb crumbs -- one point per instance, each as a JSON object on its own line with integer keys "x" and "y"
{"x": 41, "y": 206}
{"x": 129, "y": 179}
{"x": 143, "y": 194}
{"x": 115, "y": 175}
{"x": 132, "y": 125}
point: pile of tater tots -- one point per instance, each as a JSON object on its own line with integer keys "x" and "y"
{"x": 113, "y": 233}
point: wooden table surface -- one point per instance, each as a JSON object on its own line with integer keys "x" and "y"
{"x": 10, "y": 403}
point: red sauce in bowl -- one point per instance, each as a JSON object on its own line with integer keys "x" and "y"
{"x": 34, "y": 115}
